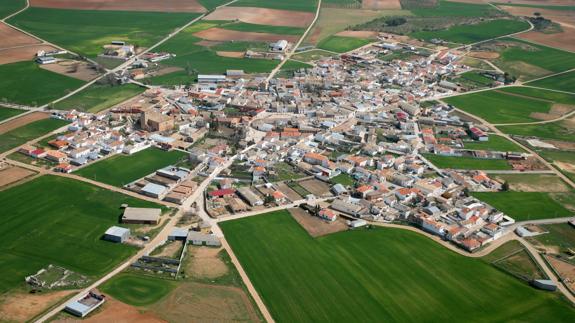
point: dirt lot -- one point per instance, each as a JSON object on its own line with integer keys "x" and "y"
{"x": 380, "y": 4}
{"x": 218, "y": 34}
{"x": 563, "y": 40}
{"x": 288, "y": 192}
{"x": 75, "y": 69}
{"x": 316, "y": 187}
{"x": 10, "y": 174}
{"x": 170, "y": 250}
{"x": 21, "y": 307}
{"x": 205, "y": 263}
{"x": 358, "y": 34}
{"x": 19, "y": 54}
{"x": 231, "y": 54}
{"x": 11, "y": 37}
{"x": 116, "y": 311}
{"x": 567, "y": 271}
{"x": 22, "y": 121}
{"x": 262, "y": 16}
{"x": 315, "y": 226}
{"x": 556, "y": 111}
{"x": 551, "y": 184}
{"x": 131, "y": 5}
{"x": 484, "y": 55}
{"x": 194, "y": 302}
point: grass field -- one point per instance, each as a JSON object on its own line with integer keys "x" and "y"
{"x": 561, "y": 130}
{"x": 495, "y": 142}
{"x": 474, "y": 79}
{"x": 513, "y": 258}
{"x": 379, "y": 273}
{"x": 212, "y": 4}
{"x": 30, "y": 85}
{"x": 343, "y": 179}
{"x": 312, "y": 55}
{"x": 54, "y": 220}
{"x": 340, "y": 44}
{"x": 466, "y": 34}
{"x": 6, "y": 113}
{"x": 456, "y": 9}
{"x": 19, "y": 136}
{"x": 285, "y": 171}
{"x": 120, "y": 170}
{"x": 519, "y": 58}
{"x": 524, "y": 206}
{"x": 560, "y": 235}
{"x": 86, "y": 31}
{"x": 99, "y": 97}
{"x": 511, "y": 105}
{"x": 449, "y": 162}
{"x": 8, "y": 7}
{"x": 563, "y": 160}
{"x": 138, "y": 290}
{"x": 297, "y": 5}
{"x": 533, "y": 182}
{"x": 562, "y": 82}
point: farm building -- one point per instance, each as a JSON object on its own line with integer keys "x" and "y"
{"x": 279, "y": 46}
{"x": 357, "y": 223}
{"x": 43, "y": 60}
{"x": 200, "y": 239}
{"x": 117, "y": 234}
{"x": 139, "y": 215}
{"x": 154, "y": 190}
{"x": 178, "y": 234}
{"x": 85, "y": 305}
{"x": 204, "y": 78}
{"x": 247, "y": 194}
{"x": 222, "y": 192}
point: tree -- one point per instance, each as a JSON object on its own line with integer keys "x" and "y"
{"x": 505, "y": 186}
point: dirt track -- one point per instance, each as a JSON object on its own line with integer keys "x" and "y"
{"x": 22, "y": 121}
{"x": 131, "y": 5}
{"x": 272, "y": 17}
{"x": 218, "y": 34}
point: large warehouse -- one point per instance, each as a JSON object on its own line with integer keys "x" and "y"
{"x": 140, "y": 215}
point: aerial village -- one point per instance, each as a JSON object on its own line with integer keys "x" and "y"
{"x": 347, "y": 136}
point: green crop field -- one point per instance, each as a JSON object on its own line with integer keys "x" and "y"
{"x": 449, "y": 162}
{"x": 560, "y": 130}
{"x": 343, "y": 179}
{"x": 297, "y": 5}
{"x": 280, "y": 30}
{"x": 31, "y": 85}
{"x": 466, "y": 34}
{"x": 212, "y": 4}
{"x": 377, "y": 275}
{"x": 495, "y": 142}
{"x": 99, "y": 97}
{"x": 542, "y": 94}
{"x": 55, "y": 220}
{"x": 6, "y": 113}
{"x": 562, "y": 82}
{"x": 456, "y": 9}
{"x": 21, "y": 135}
{"x": 138, "y": 290}
{"x": 474, "y": 78}
{"x": 511, "y": 105}
{"x": 340, "y": 44}
{"x": 528, "y": 60}
{"x": 86, "y": 31}
{"x": 8, "y": 7}
{"x": 524, "y": 206}
{"x": 120, "y": 170}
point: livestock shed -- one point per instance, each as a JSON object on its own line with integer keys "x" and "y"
{"x": 85, "y": 305}
{"x": 178, "y": 234}
{"x": 201, "y": 239}
{"x": 117, "y": 234}
{"x": 138, "y": 215}
{"x": 154, "y": 190}
{"x": 252, "y": 198}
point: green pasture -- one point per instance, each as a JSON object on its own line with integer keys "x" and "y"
{"x": 6, "y": 113}
{"x": 560, "y": 130}
{"x": 21, "y": 135}
{"x": 99, "y": 97}
{"x": 8, "y": 7}
{"x": 451, "y": 162}
{"x": 561, "y": 82}
{"x": 138, "y": 290}
{"x": 341, "y": 44}
{"x": 466, "y": 34}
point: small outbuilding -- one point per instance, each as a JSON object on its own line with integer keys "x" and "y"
{"x": 201, "y": 239}
{"x": 117, "y": 234}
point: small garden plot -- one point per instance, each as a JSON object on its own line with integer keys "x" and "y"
{"x": 315, "y": 187}
{"x": 55, "y": 277}
{"x": 343, "y": 179}
{"x": 315, "y": 226}
{"x": 284, "y": 172}
{"x": 290, "y": 193}
{"x": 298, "y": 189}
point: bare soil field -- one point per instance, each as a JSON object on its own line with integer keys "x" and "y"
{"x": 75, "y": 69}
{"x": 129, "y": 5}
{"x": 21, "y": 307}
{"x": 540, "y": 2}
{"x": 358, "y": 34}
{"x": 564, "y": 40}
{"x": 10, "y": 174}
{"x": 205, "y": 263}
{"x": 484, "y": 55}
{"x": 315, "y": 226}
{"x": 550, "y": 185}
{"x": 262, "y": 16}
{"x": 116, "y": 311}
{"x": 22, "y": 121}
{"x": 218, "y": 34}
{"x": 170, "y": 250}
{"x": 556, "y": 111}
{"x": 10, "y": 37}
{"x": 208, "y": 43}
{"x": 288, "y": 192}
{"x": 566, "y": 270}
{"x": 231, "y": 54}
{"x": 19, "y": 54}
{"x": 194, "y": 302}
{"x": 380, "y": 4}
{"x": 316, "y": 187}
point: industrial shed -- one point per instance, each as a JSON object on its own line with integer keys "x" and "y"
{"x": 117, "y": 234}
{"x": 138, "y": 215}
{"x": 200, "y": 239}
